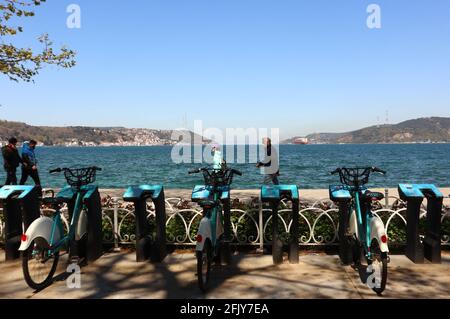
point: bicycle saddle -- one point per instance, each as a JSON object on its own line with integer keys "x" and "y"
{"x": 373, "y": 195}
{"x": 53, "y": 201}
{"x": 207, "y": 203}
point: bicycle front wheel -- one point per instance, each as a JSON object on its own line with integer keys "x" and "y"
{"x": 39, "y": 265}
{"x": 379, "y": 264}
{"x": 204, "y": 258}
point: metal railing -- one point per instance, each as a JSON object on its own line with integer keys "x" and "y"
{"x": 251, "y": 221}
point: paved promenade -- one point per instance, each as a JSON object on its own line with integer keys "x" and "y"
{"x": 117, "y": 275}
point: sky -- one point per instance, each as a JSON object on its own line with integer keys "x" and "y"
{"x": 301, "y": 66}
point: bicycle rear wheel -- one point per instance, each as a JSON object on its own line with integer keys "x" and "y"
{"x": 39, "y": 265}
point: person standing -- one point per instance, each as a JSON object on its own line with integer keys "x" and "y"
{"x": 270, "y": 164}
{"x": 11, "y": 160}
{"x": 29, "y": 163}
{"x": 218, "y": 161}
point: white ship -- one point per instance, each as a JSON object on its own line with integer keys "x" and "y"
{"x": 301, "y": 140}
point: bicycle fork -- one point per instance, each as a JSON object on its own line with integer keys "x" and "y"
{"x": 363, "y": 233}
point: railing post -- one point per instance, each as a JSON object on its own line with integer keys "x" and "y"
{"x": 386, "y": 198}
{"x": 116, "y": 224}
{"x": 2, "y": 227}
{"x": 261, "y": 229}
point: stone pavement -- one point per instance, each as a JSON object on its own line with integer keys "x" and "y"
{"x": 117, "y": 275}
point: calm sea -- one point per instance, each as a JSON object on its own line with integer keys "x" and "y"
{"x": 305, "y": 165}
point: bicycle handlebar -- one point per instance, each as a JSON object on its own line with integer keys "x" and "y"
{"x": 214, "y": 175}
{"x": 371, "y": 169}
{"x": 63, "y": 169}
{"x": 378, "y": 170}
{"x": 196, "y": 171}
{"x": 337, "y": 170}
{"x": 235, "y": 171}
{"x": 356, "y": 175}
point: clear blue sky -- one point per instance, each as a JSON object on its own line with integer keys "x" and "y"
{"x": 303, "y": 66}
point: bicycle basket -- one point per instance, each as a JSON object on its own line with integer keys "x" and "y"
{"x": 216, "y": 178}
{"x": 354, "y": 176}
{"x": 78, "y": 177}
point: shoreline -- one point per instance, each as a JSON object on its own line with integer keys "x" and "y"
{"x": 171, "y": 145}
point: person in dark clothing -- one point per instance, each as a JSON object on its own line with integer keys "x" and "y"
{"x": 29, "y": 163}
{"x": 270, "y": 164}
{"x": 11, "y": 160}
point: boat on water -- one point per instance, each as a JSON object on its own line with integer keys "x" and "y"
{"x": 301, "y": 141}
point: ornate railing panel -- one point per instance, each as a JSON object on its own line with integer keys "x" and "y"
{"x": 251, "y": 222}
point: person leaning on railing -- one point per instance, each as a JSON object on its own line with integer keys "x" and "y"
{"x": 270, "y": 164}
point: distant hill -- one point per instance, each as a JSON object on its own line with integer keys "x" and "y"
{"x": 87, "y": 136}
{"x": 422, "y": 130}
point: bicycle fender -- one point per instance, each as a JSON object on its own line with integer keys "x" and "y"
{"x": 353, "y": 224}
{"x": 40, "y": 229}
{"x": 81, "y": 229}
{"x": 204, "y": 229}
{"x": 377, "y": 231}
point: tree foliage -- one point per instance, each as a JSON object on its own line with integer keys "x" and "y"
{"x": 23, "y": 63}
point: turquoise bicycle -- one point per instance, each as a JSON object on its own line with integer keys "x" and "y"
{"x": 45, "y": 238}
{"x": 363, "y": 232}
{"x": 214, "y": 231}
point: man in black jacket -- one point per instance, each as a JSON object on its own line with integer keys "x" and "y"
{"x": 270, "y": 164}
{"x": 11, "y": 160}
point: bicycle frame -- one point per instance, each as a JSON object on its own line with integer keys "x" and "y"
{"x": 57, "y": 224}
{"x": 51, "y": 230}
{"x": 208, "y": 224}
{"x": 214, "y": 215}
{"x": 362, "y": 233}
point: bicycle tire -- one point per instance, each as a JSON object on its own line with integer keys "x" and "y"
{"x": 204, "y": 259}
{"x": 383, "y": 260}
{"x": 26, "y": 268}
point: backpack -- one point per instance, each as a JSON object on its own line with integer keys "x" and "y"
{"x": 4, "y": 151}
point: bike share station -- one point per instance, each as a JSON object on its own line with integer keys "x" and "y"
{"x": 413, "y": 195}
{"x": 202, "y": 195}
{"x": 88, "y": 246}
{"x": 340, "y": 195}
{"x": 148, "y": 246}
{"x": 21, "y": 206}
{"x": 20, "y": 209}
{"x": 274, "y": 195}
